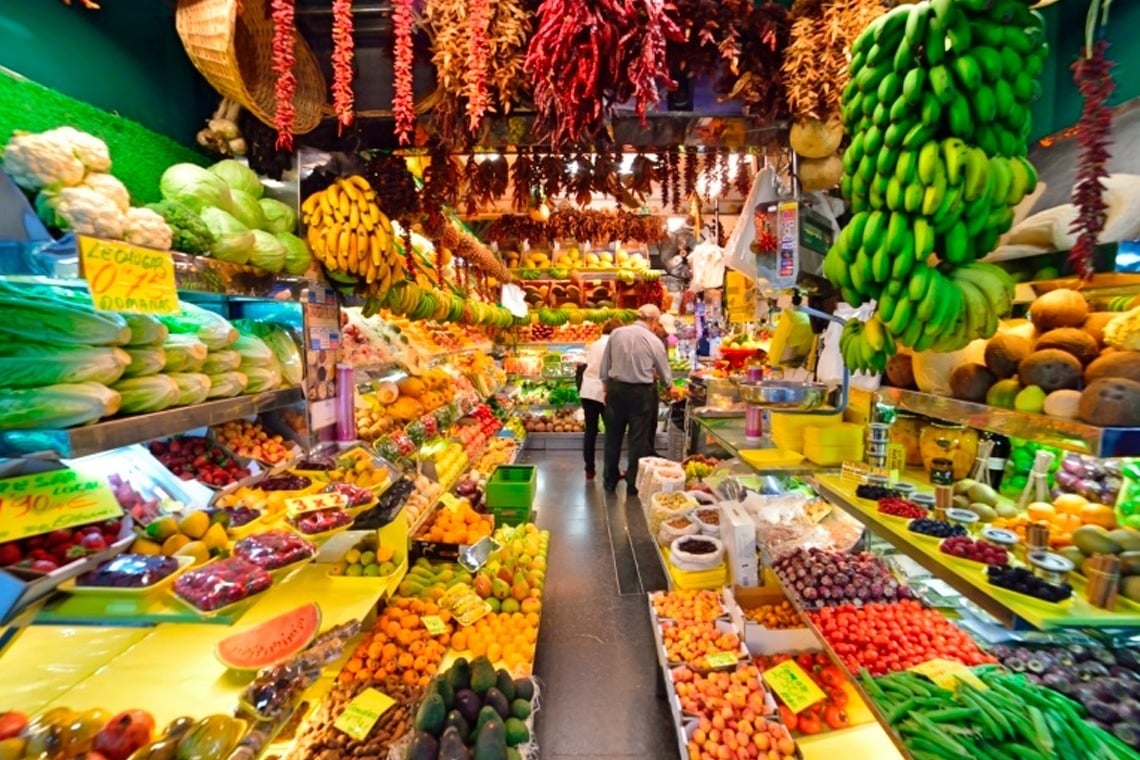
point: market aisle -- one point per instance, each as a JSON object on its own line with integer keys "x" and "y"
{"x": 595, "y": 648}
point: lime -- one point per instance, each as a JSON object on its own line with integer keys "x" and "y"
{"x": 354, "y": 570}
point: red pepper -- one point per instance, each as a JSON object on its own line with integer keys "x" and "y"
{"x": 342, "y": 56}
{"x": 284, "y": 41}
{"x": 403, "y": 98}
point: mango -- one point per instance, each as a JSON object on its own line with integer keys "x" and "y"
{"x": 195, "y": 524}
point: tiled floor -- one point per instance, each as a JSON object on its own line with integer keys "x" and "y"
{"x": 595, "y": 655}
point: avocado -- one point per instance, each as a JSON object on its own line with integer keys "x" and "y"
{"x": 495, "y": 698}
{"x": 423, "y": 747}
{"x": 459, "y": 674}
{"x": 491, "y": 743}
{"x": 431, "y": 714}
{"x": 451, "y": 746}
{"x": 482, "y": 675}
{"x": 1093, "y": 539}
{"x": 505, "y": 684}
{"x": 520, "y": 709}
{"x": 1130, "y": 588}
{"x": 517, "y": 732}
{"x": 468, "y": 703}
{"x": 456, "y": 719}
{"x": 441, "y": 686}
{"x": 1129, "y": 563}
{"x": 524, "y": 688}
{"x": 1129, "y": 540}
{"x": 486, "y": 715}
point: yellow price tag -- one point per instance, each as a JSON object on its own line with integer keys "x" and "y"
{"x": 53, "y": 500}
{"x": 434, "y": 625}
{"x": 362, "y": 713}
{"x": 947, "y": 673}
{"x": 125, "y": 277}
{"x": 722, "y": 659}
{"x": 299, "y": 505}
{"x": 794, "y": 686}
{"x": 449, "y": 501}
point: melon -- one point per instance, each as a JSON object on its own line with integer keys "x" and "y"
{"x": 271, "y": 641}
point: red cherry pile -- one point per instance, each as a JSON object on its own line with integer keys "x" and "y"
{"x": 195, "y": 457}
{"x": 896, "y": 507}
{"x": 976, "y": 551}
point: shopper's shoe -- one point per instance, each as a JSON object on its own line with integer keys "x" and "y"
{"x": 630, "y": 491}
{"x": 610, "y": 487}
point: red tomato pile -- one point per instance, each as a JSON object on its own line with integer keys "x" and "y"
{"x": 830, "y": 713}
{"x": 884, "y": 638}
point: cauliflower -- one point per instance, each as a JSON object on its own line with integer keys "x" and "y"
{"x": 109, "y": 187}
{"x": 36, "y": 161}
{"x": 146, "y": 227}
{"x": 191, "y": 235}
{"x": 90, "y": 150}
{"x": 84, "y": 211}
{"x": 1123, "y": 332}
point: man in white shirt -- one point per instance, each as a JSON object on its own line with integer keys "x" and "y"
{"x": 593, "y": 395}
{"x": 633, "y": 362}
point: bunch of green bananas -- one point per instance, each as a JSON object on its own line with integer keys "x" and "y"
{"x": 553, "y": 317}
{"x": 938, "y": 107}
{"x": 866, "y": 346}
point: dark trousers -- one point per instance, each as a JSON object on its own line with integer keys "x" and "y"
{"x": 629, "y": 406}
{"x": 593, "y": 410}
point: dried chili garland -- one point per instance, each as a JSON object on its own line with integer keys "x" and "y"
{"x": 284, "y": 57}
{"x": 342, "y": 57}
{"x": 475, "y": 78}
{"x": 522, "y": 182}
{"x": 673, "y": 159}
{"x": 403, "y": 97}
{"x": 690, "y": 174}
{"x": 743, "y": 178}
{"x": 1093, "y": 76}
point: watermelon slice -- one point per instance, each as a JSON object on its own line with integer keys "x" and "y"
{"x": 271, "y": 641}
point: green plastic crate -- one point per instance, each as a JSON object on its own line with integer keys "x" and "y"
{"x": 511, "y": 486}
{"x": 511, "y": 515}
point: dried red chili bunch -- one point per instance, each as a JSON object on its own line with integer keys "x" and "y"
{"x": 475, "y": 78}
{"x": 756, "y": 79}
{"x": 523, "y": 181}
{"x": 743, "y": 178}
{"x": 673, "y": 166}
{"x": 1093, "y": 76}
{"x": 403, "y": 97}
{"x": 692, "y": 169}
{"x": 284, "y": 42}
{"x": 342, "y": 56}
{"x": 663, "y": 173}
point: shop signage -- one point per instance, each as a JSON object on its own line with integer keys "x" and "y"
{"x": 795, "y": 687}
{"x": 362, "y": 713}
{"x": 434, "y": 625}
{"x": 128, "y": 278}
{"x": 947, "y": 673}
{"x": 34, "y": 504}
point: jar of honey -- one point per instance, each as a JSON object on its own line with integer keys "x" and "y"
{"x": 957, "y": 443}
{"x": 906, "y": 431}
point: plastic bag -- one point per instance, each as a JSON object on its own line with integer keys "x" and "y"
{"x": 670, "y": 533}
{"x": 693, "y": 561}
{"x": 829, "y": 369}
{"x": 707, "y": 262}
{"x": 665, "y": 506}
{"x": 738, "y": 251}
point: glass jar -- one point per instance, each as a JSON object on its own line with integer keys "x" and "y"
{"x": 957, "y": 443}
{"x": 905, "y": 431}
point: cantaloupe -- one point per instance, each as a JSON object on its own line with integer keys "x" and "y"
{"x": 272, "y": 641}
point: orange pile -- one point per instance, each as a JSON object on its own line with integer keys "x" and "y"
{"x": 399, "y": 646}
{"x": 463, "y": 525}
{"x": 775, "y": 616}
{"x": 697, "y": 605}
{"x": 732, "y": 715}
{"x": 691, "y": 642}
{"x": 1067, "y": 513}
{"x": 507, "y": 640}
{"x": 249, "y": 439}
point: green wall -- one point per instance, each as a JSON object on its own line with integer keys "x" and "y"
{"x": 1060, "y": 103}
{"x": 125, "y": 58}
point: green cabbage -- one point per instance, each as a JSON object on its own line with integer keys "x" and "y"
{"x": 145, "y": 330}
{"x": 226, "y": 384}
{"x": 146, "y": 360}
{"x": 238, "y": 176}
{"x": 225, "y": 360}
{"x": 184, "y": 353}
{"x": 267, "y": 252}
{"x": 193, "y": 387}
{"x": 214, "y": 330}
{"x": 247, "y": 210}
{"x": 194, "y": 187}
{"x": 280, "y": 341}
{"x": 142, "y": 395}
{"x": 32, "y": 365}
{"x": 233, "y": 241}
{"x": 279, "y": 217}
{"x": 297, "y": 258}
{"x": 254, "y": 352}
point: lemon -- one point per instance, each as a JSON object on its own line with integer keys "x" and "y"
{"x": 1031, "y": 399}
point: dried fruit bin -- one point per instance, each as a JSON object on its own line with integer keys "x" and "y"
{"x": 512, "y": 486}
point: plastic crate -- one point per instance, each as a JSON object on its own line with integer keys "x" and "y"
{"x": 511, "y": 515}
{"x": 512, "y": 485}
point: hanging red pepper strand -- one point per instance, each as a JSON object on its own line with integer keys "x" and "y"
{"x": 1093, "y": 76}
{"x": 478, "y": 50}
{"x": 403, "y": 98}
{"x": 342, "y": 56}
{"x": 284, "y": 41}
{"x": 409, "y": 254}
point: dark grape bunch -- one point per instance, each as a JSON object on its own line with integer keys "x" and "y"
{"x": 1025, "y": 582}
{"x": 936, "y": 528}
{"x": 874, "y": 493}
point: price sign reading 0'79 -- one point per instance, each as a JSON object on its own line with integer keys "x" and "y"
{"x": 128, "y": 278}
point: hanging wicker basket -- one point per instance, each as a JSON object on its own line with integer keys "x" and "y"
{"x": 234, "y": 52}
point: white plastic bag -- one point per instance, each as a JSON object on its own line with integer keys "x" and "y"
{"x": 707, "y": 263}
{"x": 683, "y": 560}
{"x": 829, "y": 369}
{"x": 738, "y": 251}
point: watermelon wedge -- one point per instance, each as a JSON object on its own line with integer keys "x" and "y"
{"x": 270, "y": 641}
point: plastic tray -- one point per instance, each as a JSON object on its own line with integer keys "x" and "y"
{"x": 115, "y": 593}
{"x": 761, "y": 458}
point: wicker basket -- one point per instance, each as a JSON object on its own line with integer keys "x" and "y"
{"x": 234, "y": 52}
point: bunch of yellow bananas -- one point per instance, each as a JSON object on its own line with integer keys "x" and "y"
{"x": 349, "y": 234}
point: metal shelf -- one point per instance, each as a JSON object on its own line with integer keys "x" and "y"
{"x": 968, "y": 578}
{"x": 113, "y": 434}
{"x": 1070, "y": 435}
{"x": 729, "y": 433}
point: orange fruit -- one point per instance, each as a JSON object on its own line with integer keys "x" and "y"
{"x": 1040, "y": 510}
{"x": 1098, "y": 514}
{"x": 459, "y": 641}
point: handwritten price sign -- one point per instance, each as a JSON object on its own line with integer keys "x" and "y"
{"x": 793, "y": 685}
{"x": 47, "y": 501}
{"x": 125, "y": 277}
